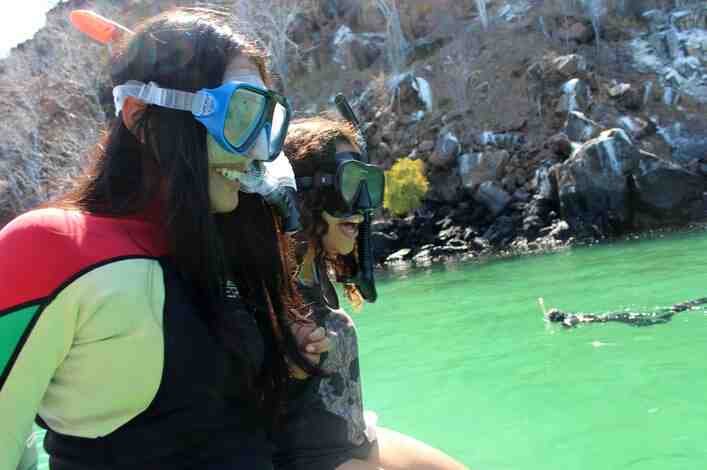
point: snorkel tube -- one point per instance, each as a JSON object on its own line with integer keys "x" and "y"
{"x": 279, "y": 189}
{"x": 364, "y": 280}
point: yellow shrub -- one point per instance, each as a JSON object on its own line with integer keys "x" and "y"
{"x": 405, "y": 186}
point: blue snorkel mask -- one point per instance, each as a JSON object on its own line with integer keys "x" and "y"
{"x": 236, "y": 114}
{"x": 240, "y": 117}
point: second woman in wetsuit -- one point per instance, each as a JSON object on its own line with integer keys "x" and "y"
{"x": 324, "y": 426}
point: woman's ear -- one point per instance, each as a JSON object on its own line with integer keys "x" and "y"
{"x": 131, "y": 112}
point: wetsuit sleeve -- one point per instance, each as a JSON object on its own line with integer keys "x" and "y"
{"x": 36, "y": 333}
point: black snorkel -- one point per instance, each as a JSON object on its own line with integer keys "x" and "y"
{"x": 284, "y": 200}
{"x": 364, "y": 280}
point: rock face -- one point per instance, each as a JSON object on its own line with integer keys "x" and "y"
{"x": 357, "y": 50}
{"x": 593, "y": 183}
{"x": 636, "y": 126}
{"x": 610, "y": 184}
{"x": 579, "y": 128}
{"x": 576, "y": 96}
{"x": 514, "y": 142}
{"x": 665, "y": 193}
{"x": 446, "y": 151}
{"x": 492, "y": 196}
{"x": 477, "y": 168}
{"x": 412, "y": 94}
{"x": 570, "y": 65}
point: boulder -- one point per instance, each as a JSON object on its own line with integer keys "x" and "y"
{"x": 576, "y": 96}
{"x": 426, "y": 146}
{"x": 627, "y": 96}
{"x": 570, "y": 65}
{"x": 637, "y": 127}
{"x": 580, "y": 32}
{"x": 446, "y": 151}
{"x": 412, "y": 94}
{"x": 560, "y": 144}
{"x": 579, "y": 128}
{"x": 665, "y": 193}
{"x": 544, "y": 182}
{"x": 476, "y": 168}
{"x": 400, "y": 255}
{"x": 501, "y": 139}
{"x": 492, "y": 196}
{"x": 501, "y": 231}
{"x": 384, "y": 243}
{"x": 445, "y": 185}
{"x": 593, "y": 186}
{"x": 357, "y": 50}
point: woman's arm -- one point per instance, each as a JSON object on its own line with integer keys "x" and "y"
{"x": 35, "y": 336}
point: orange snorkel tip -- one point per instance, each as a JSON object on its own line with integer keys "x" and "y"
{"x": 97, "y": 27}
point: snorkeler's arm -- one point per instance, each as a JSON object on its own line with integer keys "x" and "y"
{"x": 36, "y": 333}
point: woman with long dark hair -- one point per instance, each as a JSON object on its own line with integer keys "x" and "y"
{"x": 323, "y": 426}
{"x": 128, "y": 328}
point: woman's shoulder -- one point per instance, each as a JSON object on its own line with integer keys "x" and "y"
{"x": 46, "y": 248}
{"x": 45, "y": 220}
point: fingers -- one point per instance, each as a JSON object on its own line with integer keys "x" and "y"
{"x": 317, "y": 335}
{"x": 320, "y": 346}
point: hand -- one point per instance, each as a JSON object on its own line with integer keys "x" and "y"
{"x": 312, "y": 341}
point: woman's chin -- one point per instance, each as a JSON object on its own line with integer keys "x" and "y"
{"x": 347, "y": 250}
{"x": 224, "y": 207}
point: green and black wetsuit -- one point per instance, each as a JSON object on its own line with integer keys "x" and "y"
{"x": 102, "y": 342}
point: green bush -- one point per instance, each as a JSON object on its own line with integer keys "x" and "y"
{"x": 405, "y": 186}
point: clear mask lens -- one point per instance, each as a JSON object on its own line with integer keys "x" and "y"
{"x": 352, "y": 178}
{"x": 245, "y": 110}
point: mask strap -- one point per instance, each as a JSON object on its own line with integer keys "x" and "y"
{"x": 316, "y": 181}
{"x": 197, "y": 103}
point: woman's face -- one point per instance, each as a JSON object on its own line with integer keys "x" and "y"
{"x": 340, "y": 237}
{"x": 341, "y": 234}
{"x": 223, "y": 190}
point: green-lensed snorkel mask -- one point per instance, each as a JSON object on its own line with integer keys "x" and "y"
{"x": 357, "y": 187}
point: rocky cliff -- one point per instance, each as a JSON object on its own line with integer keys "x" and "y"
{"x": 540, "y": 122}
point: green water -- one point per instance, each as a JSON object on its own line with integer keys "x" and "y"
{"x": 459, "y": 357}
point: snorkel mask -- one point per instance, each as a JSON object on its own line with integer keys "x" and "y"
{"x": 240, "y": 117}
{"x": 236, "y": 114}
{"x": 359, "y": 187}
{"x": 243, "y": 118}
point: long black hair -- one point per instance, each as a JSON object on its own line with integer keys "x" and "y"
{"x": 189, "y": 49}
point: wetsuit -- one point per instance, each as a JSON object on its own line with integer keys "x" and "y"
{"x": 102, "y": 341}
{"x": 324, "y": 426}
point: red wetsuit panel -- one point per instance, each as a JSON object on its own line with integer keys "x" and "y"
{"x": 42, "y": 249}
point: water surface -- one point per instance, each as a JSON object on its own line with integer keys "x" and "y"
{"x": 460, "y": 357}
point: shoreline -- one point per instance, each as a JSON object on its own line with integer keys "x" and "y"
{"x": 539, "y": 247}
